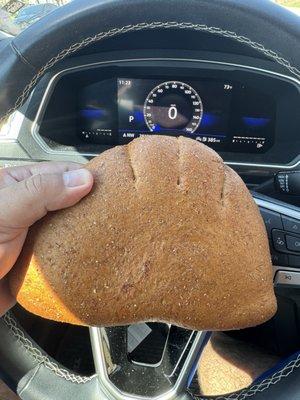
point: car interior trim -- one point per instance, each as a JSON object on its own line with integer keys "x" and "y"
{"x": 277, "y": 207}
{"x": 101, "y": 370}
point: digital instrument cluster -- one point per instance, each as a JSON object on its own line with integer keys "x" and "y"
{"x": 225, "y": 115}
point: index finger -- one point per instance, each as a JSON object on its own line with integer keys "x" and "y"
{"x": 12, "y": 175}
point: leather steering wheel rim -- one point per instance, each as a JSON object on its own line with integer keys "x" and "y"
{"x": 259, "y": 24}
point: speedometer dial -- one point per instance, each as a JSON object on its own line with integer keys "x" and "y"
{"x": 172, "y": 107}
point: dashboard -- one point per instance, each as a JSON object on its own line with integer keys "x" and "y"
{"x": 248, "y": 115}
{"x": 222, "y": 114}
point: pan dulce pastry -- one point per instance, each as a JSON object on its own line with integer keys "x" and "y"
{"x": 169, "y": 233}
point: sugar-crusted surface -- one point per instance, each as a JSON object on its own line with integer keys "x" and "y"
{"x": 169, "y": 233}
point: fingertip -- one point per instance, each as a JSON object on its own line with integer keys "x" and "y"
{"x": 78, "y": 185}
{"x": 78, "y": 178}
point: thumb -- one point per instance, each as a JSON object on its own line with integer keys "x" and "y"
{"x": 25, "y": 202}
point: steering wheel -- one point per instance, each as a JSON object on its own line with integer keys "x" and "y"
{"x": 256, "y": 24}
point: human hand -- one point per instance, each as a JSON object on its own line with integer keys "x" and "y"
{"x": 26, "y": 195}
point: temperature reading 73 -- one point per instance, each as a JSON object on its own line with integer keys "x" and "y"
{"x": 227, "y": 86}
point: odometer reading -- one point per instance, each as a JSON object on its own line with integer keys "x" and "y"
{"x": 173, "y": 106}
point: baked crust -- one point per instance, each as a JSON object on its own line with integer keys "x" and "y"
{"x": 169, "y": 233}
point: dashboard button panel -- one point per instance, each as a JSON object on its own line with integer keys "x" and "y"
{"x": 284, "y": 237}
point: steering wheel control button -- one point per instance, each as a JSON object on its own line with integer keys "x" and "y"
{"x": 287, "y": 278}
{"x": 293, "y": 243}
{"x": 271, "y": 219}
{"x": 294, "y": 261}
{"x": 290, "y": 224}
{"x": 279, "y": 259}
{"x": 279, "y": 240}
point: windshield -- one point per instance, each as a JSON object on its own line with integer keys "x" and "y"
{"x": 17, "y": 15}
